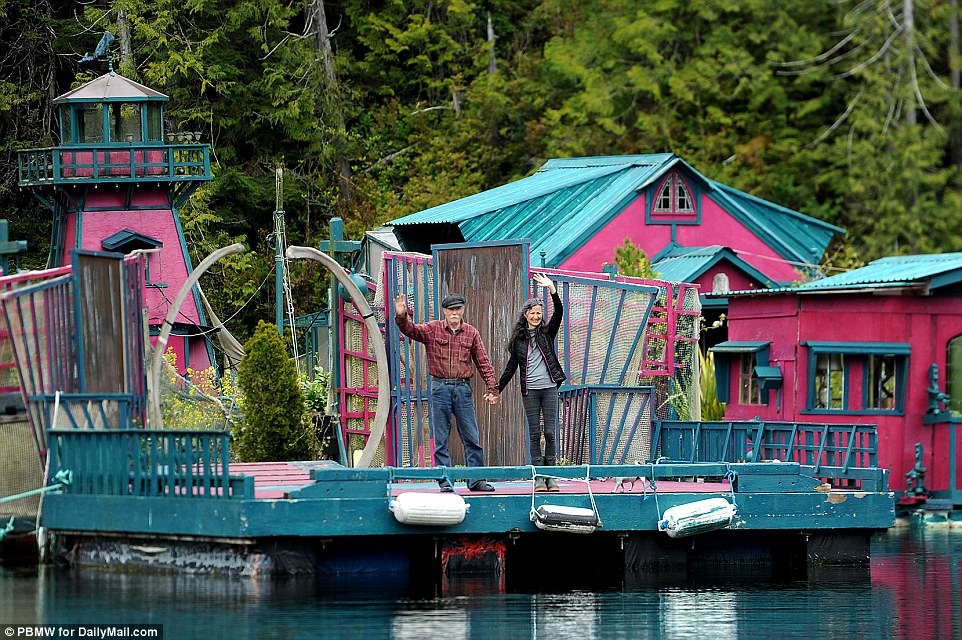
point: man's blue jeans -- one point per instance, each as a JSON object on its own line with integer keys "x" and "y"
{"x": 454, "y": 398}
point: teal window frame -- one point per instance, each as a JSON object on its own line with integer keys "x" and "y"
{"x": 850, "y": 354}
{"x": 728, "y": 361}
{"x": 953, "y": 373}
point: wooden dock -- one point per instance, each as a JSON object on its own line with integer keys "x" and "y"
{"x": 191, "y": 509}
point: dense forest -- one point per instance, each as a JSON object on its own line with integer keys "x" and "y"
{"x": 846, "y": 110}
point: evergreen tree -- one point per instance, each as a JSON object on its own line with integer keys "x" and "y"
{"x": 273, "y": 403}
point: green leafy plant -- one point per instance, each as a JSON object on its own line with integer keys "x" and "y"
{"x": 316, "y": 390}
{"x": 711, "y": 408}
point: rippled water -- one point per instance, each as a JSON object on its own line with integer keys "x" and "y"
{"x": 911, "y": 590}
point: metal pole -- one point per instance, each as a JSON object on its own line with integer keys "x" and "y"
{"x": 279, "y": 251}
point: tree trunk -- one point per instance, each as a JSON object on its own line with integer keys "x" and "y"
{"x": 955, "y": 137}
{"x": 331, "y": 101}
{"x": 123, "y": 34}
{"x": 909, "y": 22}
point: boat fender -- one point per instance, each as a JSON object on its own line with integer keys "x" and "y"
{"x": 432, "y": 509}
{"x": 551, "y": 517}
{"x": 697, "y": 517}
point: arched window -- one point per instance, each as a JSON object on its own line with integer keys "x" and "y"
{"x": 719, "y": 283}
{"x": 953, "y": 372}
{"x": 674, "y": 196}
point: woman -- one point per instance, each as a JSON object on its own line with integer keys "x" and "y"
{"x": 531, "y": 349}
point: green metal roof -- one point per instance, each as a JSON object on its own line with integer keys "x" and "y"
{"x": 676, "y": 263}
{"x": 929, "y": 271}
{"x": 563, "y": 204}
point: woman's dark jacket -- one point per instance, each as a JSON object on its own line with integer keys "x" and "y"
{"x": 544, "y": 337}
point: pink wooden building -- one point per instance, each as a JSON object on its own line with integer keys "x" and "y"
{"x": 115, "y": 185}
{"x": 578, "y": 211}
{"x": 859, "y": 346}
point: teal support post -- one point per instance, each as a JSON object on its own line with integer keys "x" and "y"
{"x": 8, "y": 248}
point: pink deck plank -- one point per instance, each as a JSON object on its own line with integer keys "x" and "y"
{"x": 273, "y": 480}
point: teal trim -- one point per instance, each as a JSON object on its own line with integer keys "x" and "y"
{"x": 899, "y": 350}
{"x": 653, "y": 190}
{"x": 676, "y": 263}
{"x": 770, "y": 378}
{"x": 201, "y": 315}
{"x": 728, "y": 356}
{"x": 735, "y": 346}
{"x": 892, "y": 348}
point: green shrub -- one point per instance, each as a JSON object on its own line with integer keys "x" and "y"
{"x": 273, "y": 429}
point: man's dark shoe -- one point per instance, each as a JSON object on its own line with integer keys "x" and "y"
{"x": 481, "y": 486}
{"x": 445, "y": 486}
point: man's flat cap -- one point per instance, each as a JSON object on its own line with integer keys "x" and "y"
{"x": 452, "y": 301}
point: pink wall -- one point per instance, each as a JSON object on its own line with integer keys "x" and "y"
{"x": 166, "y": 266}
{"x": 717, "y": 227}
{"x": 926, "y": 323}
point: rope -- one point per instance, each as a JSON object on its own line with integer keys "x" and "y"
{"x": 587, "y": 481}
{"x": 730, "y": 476}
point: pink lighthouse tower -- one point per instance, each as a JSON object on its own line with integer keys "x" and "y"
{"x": 114, "y": 185}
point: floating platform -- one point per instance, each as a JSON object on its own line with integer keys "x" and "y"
{"x": 320, "y": 518}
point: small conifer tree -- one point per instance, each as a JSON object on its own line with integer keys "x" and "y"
{"x": 273, "y": 429}
{"x": 633, "y": 261}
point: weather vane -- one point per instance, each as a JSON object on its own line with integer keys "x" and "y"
{"x": 101, "y": 52}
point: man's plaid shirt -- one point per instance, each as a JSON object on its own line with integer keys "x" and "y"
{"x": 450, "y": 354}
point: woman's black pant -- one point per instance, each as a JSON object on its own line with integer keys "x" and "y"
{"x": 542, "y": 404}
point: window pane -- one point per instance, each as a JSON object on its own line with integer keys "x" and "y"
{"x": 154, "y": 129}
{"x": 880, "y": 379}
{"x": 684, "y": 198}
{"x": 953, "y": 373}
{"x": 664, "y": 198}
{"x": 125, "y": 122}
{"x": 829, "y": 381}
{"x": 749, "y": 390}
{"x": 90, "y": 124}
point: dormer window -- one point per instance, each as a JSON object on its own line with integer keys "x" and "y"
{"x": 674, "y": 196}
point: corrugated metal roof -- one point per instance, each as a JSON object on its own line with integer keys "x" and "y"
{"x": 676, "y": 263}
{"x": 567, "y": 200}
{"x": 894, "y": 272}
{"x": 110, "y": 86}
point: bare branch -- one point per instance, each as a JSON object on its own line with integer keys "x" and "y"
{"x": 878, "y": 54}
{"x": 391, "y": 157}
{"x": 838, "y": 122}
{"x": 928, "y": 68}
{"x": 822, "y": 56}
{"x": 918, "y": 95}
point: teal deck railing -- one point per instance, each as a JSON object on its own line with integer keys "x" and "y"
{"x": 844, "y": 454}
{"x": 147, "y": 463}
{"x": 96, "y": 163}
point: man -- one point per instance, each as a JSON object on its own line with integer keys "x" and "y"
{"x": 451, "y": 346}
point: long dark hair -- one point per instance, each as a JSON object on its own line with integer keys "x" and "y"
{"x": 520, "y": 331}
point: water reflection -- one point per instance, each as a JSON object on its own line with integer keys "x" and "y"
{"x": 912, "y": 590}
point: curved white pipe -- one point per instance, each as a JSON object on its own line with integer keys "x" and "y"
{"x": 377, "y": 342}
{"x": 156, "y": 421}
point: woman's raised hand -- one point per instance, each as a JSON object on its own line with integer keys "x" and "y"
{"x": 544, "y": 281}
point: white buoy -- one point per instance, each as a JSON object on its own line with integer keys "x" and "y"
{"x": 432, "y": 509}
{"x": 552, "y": 517}
{"x": 697, "y": 517}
